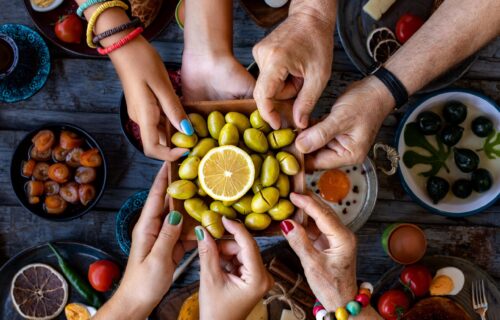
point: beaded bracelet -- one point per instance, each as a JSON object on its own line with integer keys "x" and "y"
{"x": 117, "y": 45}
{"x": 103, "y": 7}
{"x": 84, "y": 6}
{"x": 128, "y": 25}
{"x": 353, "y": 308}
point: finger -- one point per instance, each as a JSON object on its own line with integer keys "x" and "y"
{"x": 306, "y": 101}
{"x": 320, "y": 134}
{"x": 249, "y": 254}
{"x": 290, "y": 89}
{"x": 270, "y": 82}
{"x": 210, "y": 269}
{"x": 229, "y": 247}
{"x": 299, "y": 241}
{"x": 170, "y": 232}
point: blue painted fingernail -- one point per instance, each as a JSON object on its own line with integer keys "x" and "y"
{"x": 187, "y": 127}
{"x": 186, "y": 154}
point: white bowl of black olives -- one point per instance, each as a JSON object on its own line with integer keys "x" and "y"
{"x": 449, "y": 144}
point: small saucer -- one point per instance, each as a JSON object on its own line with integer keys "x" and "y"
{"x": 127, "y": 217}
{"x": 33, "y": 67}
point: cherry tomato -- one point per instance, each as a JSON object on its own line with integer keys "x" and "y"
{"x": 69, "y": 29}
{"x": 91, "y": 158}
{"x": 59, "y": 154}
{"x": 73, "y": 157}
{"x": 41, "y": 171}
{"x": 38, "y": 155}
{"x": 27, "y": 168}
{"x": 69, "y": 192}
{"x": 51, "y": 188}
{"x": 393, "y": 304}
{"x": 59, "y": 172}
{"x": 103, "y": 274}
{"x": 70, "y": 140}
{"x": 85, "y": 175}
{"x": 34, "y": 188}
{"x": 417, "y": 278}
{"x": 55, "y": 204}
{"x": 86, "y": 192}
{"x": 43, "y": 140}
{"x": 406, "y": 26}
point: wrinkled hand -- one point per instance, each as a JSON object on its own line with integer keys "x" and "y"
{"x": 294, "y": 60}
{"x": 150, "y": 96}
{"x": 233, "y": 278}
{"x": 153, "y": 258}
{"x": 345, "y": 136}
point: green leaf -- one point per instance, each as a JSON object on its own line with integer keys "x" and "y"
{"x": 492, "y": 145}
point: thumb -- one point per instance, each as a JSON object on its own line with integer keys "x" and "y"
{"x": 319, "y": 135}
{"x": 298, "y": 240}
{"x": 306, "y": 101}
{"x": 209, "y": 255}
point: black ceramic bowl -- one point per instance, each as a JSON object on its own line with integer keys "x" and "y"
{"x": 18, "y": 181}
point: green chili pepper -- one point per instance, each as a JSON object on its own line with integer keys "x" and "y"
{"x": 80, "y": 284}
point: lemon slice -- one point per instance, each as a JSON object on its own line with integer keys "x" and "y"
{"x": 226, "y": 173}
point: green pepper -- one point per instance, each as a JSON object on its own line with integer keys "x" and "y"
{"x": 79, "y": 283}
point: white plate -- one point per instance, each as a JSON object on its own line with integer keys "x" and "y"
{"x": 52, "y": 6}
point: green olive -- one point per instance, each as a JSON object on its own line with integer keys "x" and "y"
{"x": 257, "y": 163}
{"x": 281, "y": 138}
{"x": 201, "y": 192}
{"x": 215, "y": 122}
{"x": 257, "y": 221}
{"x": 239, "y": 120}
{"x": 265, "y": 200}
{"x": 258, "y": 123}
{"x": 257, "y": 186}
{"x": 195, "y": 207}
{"x": 288, "y": 163}
{"x": 283, "y": 185}
{"x": 182, "y": 189}
{"x": 199, "y": 124}
{"x": 244, "y": 147}
{"x": 270, "y": 171}
{"x": 244, "y": 205}
{"x": 229, "y": 203}
{"x": 281, "y": 211}
{"x": 182, "y": 140}
{"x": 219, "y": 207}
{"x": 203, "y": 146}
{"x": 255, "y": 140}
{"x": 212, "y": 221}
{"x": 229, "y": 135}
{"x": 189, "y": 168}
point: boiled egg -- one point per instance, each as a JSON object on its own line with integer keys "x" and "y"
{"x": 276, "y": 3}
{"x": 448, "y": 281}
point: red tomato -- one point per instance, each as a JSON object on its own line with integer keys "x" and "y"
{"x": 417, "y": 278}
{"x": 103, "y": 274}
{"x": 393, "y": 304}
{"x": 69, "y": 28}
{"x": 406, "y": 26}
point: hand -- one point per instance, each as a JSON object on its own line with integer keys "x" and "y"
{"x": 153, "y": 258}
{"x": 345, "y": 136}
{"x": 150, "y": 96}
{"x": 230, "y": 292}
{"x": 294, "y": 60}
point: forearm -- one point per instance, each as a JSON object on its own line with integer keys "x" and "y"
{"x": 326, "y": 10}
{"x": 455, "y": 31}
{"x": 121, "y": 307}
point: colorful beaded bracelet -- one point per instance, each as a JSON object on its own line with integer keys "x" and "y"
{"x": 128, "y": 25}
{"x": 353, "y": 307}
{"x": 117, "y": 45}
{"x": 103, "y": 7}
{"x": 84, "y": 6}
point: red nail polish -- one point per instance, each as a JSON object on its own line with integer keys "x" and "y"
{"x": 286, "y": 226}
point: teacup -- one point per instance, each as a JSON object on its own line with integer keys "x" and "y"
{"x": 9, "y": 55}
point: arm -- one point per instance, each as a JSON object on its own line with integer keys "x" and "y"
{"x": 455, "y": 31}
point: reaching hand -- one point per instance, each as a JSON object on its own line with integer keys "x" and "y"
{"x": 294, "y": 60}
{"x": 233, "y": 278}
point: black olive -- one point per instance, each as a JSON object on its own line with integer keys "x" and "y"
{"x": 429, "y": 122}
{"x": 450, "y": 135}
{"x": 462, "y": 188}
{"x": 481, "y": 180}
{"x": 437, "y": 188}
{"x": 482, "y": 126}
{"x": 455, "y": 112}
{"x": 466, "y": 160}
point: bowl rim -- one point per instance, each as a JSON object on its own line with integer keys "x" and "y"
{"x": 89, "y": 137}
{"x": 402, "y": 123}
{"x": 124, "y": 214}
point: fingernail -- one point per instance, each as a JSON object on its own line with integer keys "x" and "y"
{"x": 186, "y": 154}
{"x": 200, "y": 235}
{"x": 303, "y": 143}
{"x": 286, "y": 226}
{"x": 187, "y": 127}
{"x": 174, "y": 218}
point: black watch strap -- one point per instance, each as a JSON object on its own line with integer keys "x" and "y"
{"x": 392, "y": 83}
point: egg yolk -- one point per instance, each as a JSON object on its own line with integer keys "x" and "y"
{"x": 334, "y": 185}
{"x": 441, "y": 285}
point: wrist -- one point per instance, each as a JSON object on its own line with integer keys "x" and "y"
{"x": 135, "y": 308}
{"x": 324, "y": 11}
{"x": 382, "y": 96}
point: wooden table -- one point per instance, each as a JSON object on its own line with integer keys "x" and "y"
{"x": 76, "y": 93}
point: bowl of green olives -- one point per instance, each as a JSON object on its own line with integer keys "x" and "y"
{"x": 273, "y": 166}
{"x": 449, "y": 143}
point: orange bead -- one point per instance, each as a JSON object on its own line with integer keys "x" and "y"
{"x": 365, "y": 291}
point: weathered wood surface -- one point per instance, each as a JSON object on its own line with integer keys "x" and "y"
{"x": 76, "y": 93}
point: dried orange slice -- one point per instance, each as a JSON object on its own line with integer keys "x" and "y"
{"x": 376, "y": 36}
{"x": 226, "y": 173}
{"x": 384, "y": 50}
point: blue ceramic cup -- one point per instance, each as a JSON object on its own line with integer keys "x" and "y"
{"x": 9, "y": 55}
